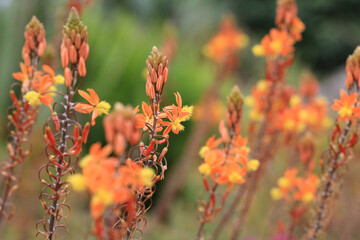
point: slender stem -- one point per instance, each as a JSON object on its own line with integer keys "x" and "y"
{"x": 56, "y": 194}
{"x": 329, "y": 184}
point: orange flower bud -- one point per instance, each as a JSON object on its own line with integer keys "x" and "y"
{"x": 108, "y": 129}
{"x": 86, "y": 131}
{"x": 41, "y": 49}
{"x": 27, "y": 60}
{"x": 82, "y": 67}
{"x": 56, "y": 121}
{"x": 64, "y": 57}
{"x": 76, "y": 132}
{"x": 149, "y": 148}
{"x": 13, "y": 96}
{"x": 50, "y": 136}
{"x": 119, "y": 144}
{"x": 150, "y": 91}
{"x": 72, "y": 54}
{"x": 77, "y": 41}
{"x": 224, "y": 132}
{"x": 160, "y": 83}
{"x": 84, "y": 50}
{"x": 68, "y": 77}
{"x": 166, "y": 72}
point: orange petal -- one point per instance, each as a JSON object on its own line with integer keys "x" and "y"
{"x": 84, "y": 108}
{"x": 85, "y": 95}
{"x": 94, "y": 97}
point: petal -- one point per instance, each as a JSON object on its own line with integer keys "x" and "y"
{"x": 47, "y": 100}
{"x": 19, "y": 76}
{"x": 85, "y": 95}
{"x": 93, "y": 95}
{"x": 48, "y": 70}
{"x": 84, "y": 108}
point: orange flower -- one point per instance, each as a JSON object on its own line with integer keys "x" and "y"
{"x": 346, "y": 106}
{"x": 95, "y": 106}
{"x": 176, "y": 115}
{"x": 277, "y": 42}
{"x": 226, "y": 42}
{"x": 306, "y": 188}
{"x": 146, "y": 118}
{"x": 23, "y": 76}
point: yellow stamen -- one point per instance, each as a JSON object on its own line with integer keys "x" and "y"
{"x": 103, "y": 107}
{"x": 205, "y": 169}
{"x": 258, "y": 50}
{"x": 276, "y": 194}
{"x": 77, "y": 182}
{"x": 33, "y": 98}
{"x": 235, "y": 177}
{"x": 147, "y": 175}
{"x": 253, "y": 165}
{"x": 59, "y": 79}
{"x": 283, "y": 182}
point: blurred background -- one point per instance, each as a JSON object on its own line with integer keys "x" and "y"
{"x": 121, "y": 35}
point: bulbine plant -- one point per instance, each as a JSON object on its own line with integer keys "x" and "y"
{"x": 121, "y": 175}
{"x": 22, "y": 113}
{"x": 64, "y": 134}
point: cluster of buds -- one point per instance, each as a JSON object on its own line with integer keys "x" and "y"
{"x": 226, "y": 164}
{"x": 157, "y": 74}
{"x": 74, "y": 48}
{"x": 352, "y": 70}
{"x": 35, "y": 42}
{"x": 120, "y": 128}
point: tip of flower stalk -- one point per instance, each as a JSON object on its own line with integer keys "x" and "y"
{"x": 235, "y": 99}
{"x": 156, "y": 57}
{"x": 74, "y": 23}
{"x": 34, "y": 23}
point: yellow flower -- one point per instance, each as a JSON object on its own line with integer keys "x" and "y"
{"x": 102, "y": 197}
{"x": 84, "y": 161}
{"x": 203, "y": 150}
{"x": 189, "y": 110}
{"x": 59, "y": 79}
{"x": 205, "y": 169}
{"x": 77, "y": 182}
{"x": 147, "y": 175}
{"x": 276, "y": 194}
{"x": 249, "y": 101}
{"x": 258, "y": 50}
{"x": 235, "y": 177}
{"x": 33, "y": 98}
{"x": 308, "y": 197}
{"x": 327, "y": 122}
{"x": 295, "y": 100}
{"x": 262, "y": 85}
{"x": 283, "y": 182}
{"x": 253, "y": 165}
